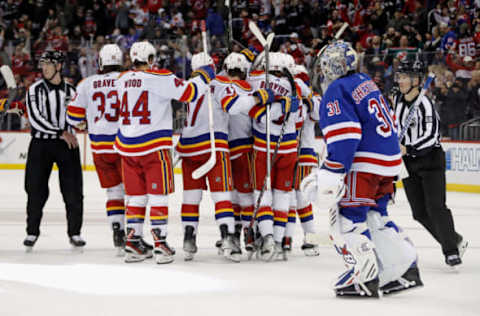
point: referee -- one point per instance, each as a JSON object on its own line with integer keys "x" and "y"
{"x": 424, "y": 159}
{"x": 53, "y": 141}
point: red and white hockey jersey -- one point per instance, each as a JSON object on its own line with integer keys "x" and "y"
{"x": 281, "y": 87}
{"x": 145, "y": 122}
{"x": 195, "y": 138}
{"x": 97, "y": 101}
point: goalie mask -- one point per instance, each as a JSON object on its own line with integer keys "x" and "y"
{"x": 110, "y": 55}
{"x": 337, "y": 60}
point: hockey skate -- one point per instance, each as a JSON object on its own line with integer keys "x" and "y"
{"x": 29, "y": 242}
{"x": 118, "y": 238}
{"x": 462, "y": 247}
{"x": 453, "y": 260}
{"x": 287, "y": 243}
{"x": 163, "y": 252}
{"x": 309, "y": 249}
{"x": 135, "y": 249}
{"x": 267, "y": 250}
{"x": 189, "y": 243}
{"x": 363, "y": 290}
{"x": 237, "y": 235}
{"x": 278, "y": 252}
{"x": 77, "y": 243}
{"x": 409, "y": 280}
{"x": 149, "y": 248}
{"x": 229, "y": 249}
{"x": 249, "y": 239}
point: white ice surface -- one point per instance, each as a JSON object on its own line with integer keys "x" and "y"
{"x": 54, "y": 280}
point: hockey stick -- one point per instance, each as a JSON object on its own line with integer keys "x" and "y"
{"x": 259, "y": 58}
{"x": 258, "y": 34}
{"x": 7, "y": 74}
{"x": 230, "y": 27}
{"x": 413, "y": 109}
{"x": 266, "y": 182}
{"x": 206, "y": 167}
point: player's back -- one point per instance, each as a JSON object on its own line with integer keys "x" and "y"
{"x": 195, "y": 138}
{"x": 145, "y": 122}
{"x": 353, "y": 105}
{"x": 281, "y": 87}
{"x": 240, "y": 125}
{"x": 98, "y": 95}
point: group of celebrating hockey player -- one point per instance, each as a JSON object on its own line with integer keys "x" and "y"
{"x": 249, "y": 133}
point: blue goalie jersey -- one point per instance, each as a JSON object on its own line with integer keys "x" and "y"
{"x": 359, "y": 128}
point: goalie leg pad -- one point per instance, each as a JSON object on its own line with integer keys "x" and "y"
{"x": 358, "y": 253}
{"x": 396, "y": 255}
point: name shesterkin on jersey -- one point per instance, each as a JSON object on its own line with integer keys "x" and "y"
{"x": 345, "y": 113}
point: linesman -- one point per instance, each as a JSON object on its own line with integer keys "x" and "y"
{"x": 425, "y": 162}
{"x": 53, "y": 141}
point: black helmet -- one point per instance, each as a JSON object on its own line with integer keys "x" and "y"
{"x": 412, "y": 67}
{"x": 53, "y": 56}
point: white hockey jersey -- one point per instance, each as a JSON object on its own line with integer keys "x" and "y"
{"x": 97, "y": 102}
{"x": 195, "y": 138}
{"x": 281, "y": 87}
{"x": 145, "y": 122}
{"x": 240, "y": 139}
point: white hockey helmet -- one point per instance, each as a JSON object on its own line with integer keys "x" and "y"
{"x": 289, "y": 62}
{"x": 141, "y": 51}
{"x": 236, "y": 61}
{"x": 201, "y": 59}
{"x": 276, "y": 61}
{"x": 337, "y": 59}
{"x": 110, "y": 55}
{"x": 299, "y": 69}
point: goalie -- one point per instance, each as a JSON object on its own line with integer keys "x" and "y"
{"x": 363, "y": 159}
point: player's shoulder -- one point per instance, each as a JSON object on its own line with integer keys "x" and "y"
{"x": 256, "y": 73}
{"x": 223, "y": 79}
{"x": 242, "y": 84}
{"x": 158, "y": 72}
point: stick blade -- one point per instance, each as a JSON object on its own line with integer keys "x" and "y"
{"x": 205, "y": 168}
{"x": 252, "y": 26}
{"x": 7, "y": 74}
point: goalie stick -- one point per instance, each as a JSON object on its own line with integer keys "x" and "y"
{"x": 206, "y": 167}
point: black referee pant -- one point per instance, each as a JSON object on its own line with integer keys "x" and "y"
{"x": 426, "y": 194}
{"x": 41, "y": 156}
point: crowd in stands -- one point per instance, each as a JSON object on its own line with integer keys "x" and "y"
{"x": 445, "y": 34}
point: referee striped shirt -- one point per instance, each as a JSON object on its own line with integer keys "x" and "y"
{"x": 47, "y": 108}
{"x": 423, "y": 133}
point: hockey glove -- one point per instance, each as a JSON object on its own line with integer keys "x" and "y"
{"x": 326, "y": 185}
{"x": 264, "y": 96}
{"x": 289, "y": 104}
{"x": 207, "y": 73}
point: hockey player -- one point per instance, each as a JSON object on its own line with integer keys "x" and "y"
{"x": 96, "y": 105}
{"x": 144, "y": 141}
{"x": 273, "y": 209}
{"x": 425, "y": 161}
{"x": 363, "y": 159}
{"x": 240, "y": 141}
{"x": 307, "y": 159}
{"x": 194, "y": 147}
